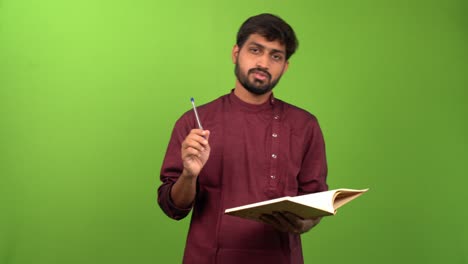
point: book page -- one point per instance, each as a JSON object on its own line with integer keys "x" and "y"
{"x": 343, "y": 196}
{"x": 320, "y": 200}
{"x": 305, "y": 206}
{"x": 259, "y": 204}
{"x": 298, "y": 209}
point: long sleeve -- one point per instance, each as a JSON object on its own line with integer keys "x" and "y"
{"x": 313, "y": 174}
{"x": 171, "y": 169}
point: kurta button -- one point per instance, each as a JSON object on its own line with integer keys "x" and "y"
{"x": 275, "y": 135}
{"x": 273, "y": 177}
{"x": 273, "y": 156}
{"x": 276, "y": 117}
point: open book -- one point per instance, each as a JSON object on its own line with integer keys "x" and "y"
{"x": 305, "y": 206}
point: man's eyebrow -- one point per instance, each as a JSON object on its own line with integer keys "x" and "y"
{"x": 263, "y": 47}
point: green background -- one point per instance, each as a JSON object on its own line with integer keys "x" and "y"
{"x": 90, "y": 90}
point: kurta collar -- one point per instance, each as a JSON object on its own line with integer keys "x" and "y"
{"x": 237, "y": 102}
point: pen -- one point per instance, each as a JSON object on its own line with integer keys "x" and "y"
{"x": 196, "y": 113}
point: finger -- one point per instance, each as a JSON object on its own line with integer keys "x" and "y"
{"x": 292, "y": 218}
{"x": 203, "y": 139}
{"x": 204, "y": 134}
{"x": 190, "y": 152}
{"x": 197, "y": 131}
{"x": 315, "y": 221}
{"x": 194, "y": 142}
{"x": 284, "y": 221}
{"x": 298, "y": 222}
{"x": 303, "y": 225}
{"x": 271, "y": 220}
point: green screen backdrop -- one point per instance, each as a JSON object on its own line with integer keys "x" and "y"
{"x": 90, "y": 90}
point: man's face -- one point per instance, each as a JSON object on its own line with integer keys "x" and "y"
{"x": 259, "y": 64}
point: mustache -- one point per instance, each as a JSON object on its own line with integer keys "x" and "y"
{"x": 258, "y": 69}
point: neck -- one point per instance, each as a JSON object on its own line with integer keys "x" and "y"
{"x": 249, "y": 97}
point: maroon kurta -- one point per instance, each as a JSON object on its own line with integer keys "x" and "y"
{"x": 258, "y": 152}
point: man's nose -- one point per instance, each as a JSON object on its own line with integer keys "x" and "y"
{"x": 262, "y": 61}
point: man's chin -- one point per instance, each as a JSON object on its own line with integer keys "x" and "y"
{"x": 260, "y": 85}
{"x": 259, "y": 82}
{"x": 258, "y": 90}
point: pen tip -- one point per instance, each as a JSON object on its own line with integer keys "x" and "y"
{"x": 191, "y": 99}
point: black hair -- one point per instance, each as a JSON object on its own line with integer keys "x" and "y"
{"x": 272, "y": 28}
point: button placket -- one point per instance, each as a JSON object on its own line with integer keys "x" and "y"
{"x": 273, "y": 178}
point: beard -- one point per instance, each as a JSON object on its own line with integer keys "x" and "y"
{"x": 256, "y": 86}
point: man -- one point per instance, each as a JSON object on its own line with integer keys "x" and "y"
{"x": 255, "y": 148}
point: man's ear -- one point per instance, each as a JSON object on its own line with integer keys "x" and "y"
{"x": 235, "y": 53}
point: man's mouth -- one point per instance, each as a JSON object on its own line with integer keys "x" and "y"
{"x": 260, "y": 75}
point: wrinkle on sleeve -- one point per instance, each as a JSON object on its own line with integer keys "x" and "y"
{"x": 313, "y": 175}
{"x": 171, "y": 169}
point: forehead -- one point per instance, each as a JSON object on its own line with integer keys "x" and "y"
{"x": 271, "y": 45}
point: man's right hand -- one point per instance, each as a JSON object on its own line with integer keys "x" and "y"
{"x": 195, "y": 152}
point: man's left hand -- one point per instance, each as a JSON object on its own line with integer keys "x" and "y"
{"x": 289, "y": 222}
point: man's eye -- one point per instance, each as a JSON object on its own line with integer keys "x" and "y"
{"x": 277, "y": 57}
{"x": 254, "y": 50}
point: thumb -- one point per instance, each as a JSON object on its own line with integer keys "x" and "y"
{"x": 207, "y": 134}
